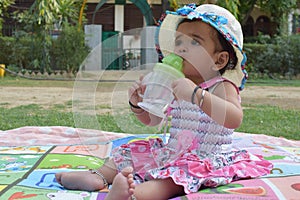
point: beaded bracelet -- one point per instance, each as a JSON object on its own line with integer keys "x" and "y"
{"x": 134, "y": 106}
{"x": 93, "y": 171}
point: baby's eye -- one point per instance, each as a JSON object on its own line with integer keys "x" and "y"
{"x": 195, "y": 42}
{"x": 178, "y": 42}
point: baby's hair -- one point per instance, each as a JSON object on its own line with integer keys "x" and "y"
{"x": 225, "y": 46}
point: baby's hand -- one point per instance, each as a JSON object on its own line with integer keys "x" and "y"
{"x": 136, "y": 91}
{"x": 183, "y": 89}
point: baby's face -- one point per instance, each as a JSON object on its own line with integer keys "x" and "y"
{"x": 195, "y": 44}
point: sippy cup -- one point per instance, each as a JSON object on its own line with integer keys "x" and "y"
{"x": 158, "y": 94}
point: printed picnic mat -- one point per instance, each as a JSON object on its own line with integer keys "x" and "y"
{"x": 30, "y": 157}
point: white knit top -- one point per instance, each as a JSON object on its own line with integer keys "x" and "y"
{"x": 213, "y": 137}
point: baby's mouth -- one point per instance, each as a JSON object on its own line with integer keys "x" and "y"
{"x": 186, "y": 63}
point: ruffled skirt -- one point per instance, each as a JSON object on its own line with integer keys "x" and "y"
{"x": 152, "y": 159}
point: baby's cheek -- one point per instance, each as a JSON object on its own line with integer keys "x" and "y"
{"x": 190, "y": 70}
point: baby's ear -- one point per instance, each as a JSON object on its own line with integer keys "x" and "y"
{"x": 222, "y": 60}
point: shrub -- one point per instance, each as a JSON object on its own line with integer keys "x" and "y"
{"x": 69, "y": 50}
{"x": 252, "y": 51}
{"x": 279, "y": 58}
{"x": 23, "y": 51}
{"x": 295, "y": 52}
{"x": 26, "y": 52}
{"x": 6, "y": 46}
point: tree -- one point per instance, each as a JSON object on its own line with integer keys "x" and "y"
{"x": 278, "y": 10}
{"x": 43, "y": 17}
{"x": 4, "y": 4}
{"x": 242, "y": 9}
{"x": 50, "y": 13}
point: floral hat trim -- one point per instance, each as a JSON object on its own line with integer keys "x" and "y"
{"x": 218, "y": 22}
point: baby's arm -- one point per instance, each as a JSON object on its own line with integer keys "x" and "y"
{"x": 223, "y": 105}
{"x": 134, "y": 97}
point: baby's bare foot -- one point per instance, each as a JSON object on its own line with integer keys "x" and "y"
{"x": 123, "y": 186}
{"x": 81, "y": 180}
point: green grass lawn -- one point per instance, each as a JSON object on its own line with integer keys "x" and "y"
{"x": 34, "y": 115}
{"x": 22, "y": 82}
{"x": 271, "y": 120}
{"x": 260, "y": 119}
{"x": 267, "y": 120}
{"x": 292, "y": 83}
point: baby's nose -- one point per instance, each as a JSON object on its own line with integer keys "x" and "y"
{"x": 181, "y": 50}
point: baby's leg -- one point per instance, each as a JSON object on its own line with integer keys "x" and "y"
{"x": 85, "y": 180}
{"x": 158, "y": 189}
{"x": 123, "y": 186}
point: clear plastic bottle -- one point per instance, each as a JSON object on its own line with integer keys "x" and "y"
{"x": 159, "y": 94}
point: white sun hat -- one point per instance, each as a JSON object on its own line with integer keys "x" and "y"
{"x": 220, "y": 19}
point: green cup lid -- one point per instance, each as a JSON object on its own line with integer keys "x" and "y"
{"x": 174, "y": 61}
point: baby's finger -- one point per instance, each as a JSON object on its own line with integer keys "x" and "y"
{"x": 136, "y": 85}
{"x": 133, "y": 89}
{"x": 136, "y": 89}
{"x": 141, "y": 77}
